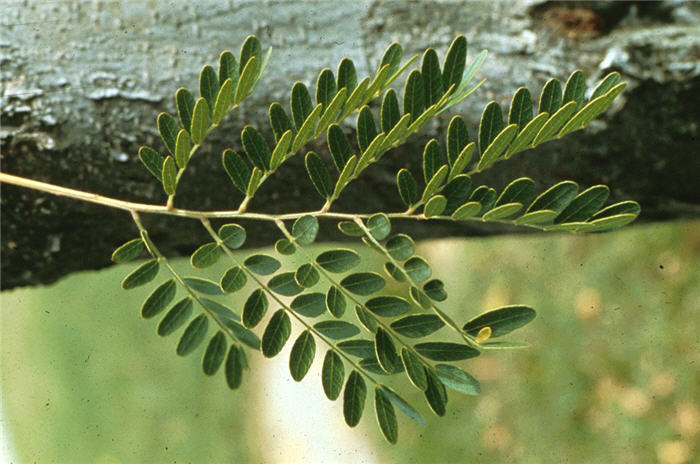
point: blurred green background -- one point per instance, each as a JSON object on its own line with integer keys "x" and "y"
{"x": 611, "y": 375}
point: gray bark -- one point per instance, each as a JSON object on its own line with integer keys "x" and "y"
{"x": 82, "y": 83}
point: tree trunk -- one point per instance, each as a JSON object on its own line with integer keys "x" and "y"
{"x": 82, "y": 83}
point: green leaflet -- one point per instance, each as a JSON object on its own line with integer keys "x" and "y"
{"x": 413, "y": 99}
{"x": 206, "y": 255}
{"x": 498, "y": 146}
{"x": 418, "y": 326}
{"x": 379, "y": 226}
{"x": 420, "y": 298}
{"x": 337, "y": 330}
{"x": 332, "y": 375}
{"x": 554, "y": 123}
{"x": 503, "y": 345}
{"x": 233, "y": 280}
{"x": 204, "y": 286}
{"x": 175, "y": 317}
{"x": 520, "y": 112}
{"x": 398, "y": 132}
{"x": 234, "y": 367}
{"x": 368, "y": 155}
{"x": 536, "y": 217}
{"x": 551, "y": 97}
{"x": 182, "y": 148}
{"x": 128, "y": 251}
{"x": 152, "y": 161}
{"x": 159, "y": 299}
{"x": 141, "y": 275}
{"x": 457, "y": 139}
{"x": 392, "y": 57}
{"x": 434, "y": 184}
{"x": 501, "y": 321}
{"x": 185, "y": 107}
{"x": 385, "y": 351}
{"x": 276, "y": 334}
{"x": 556, "y": 198}
{"x": 442, "y": 351}
{"x": 610, "y": 81}
{"x": 214, "y": 354}
{"x": 279, "y": 121}
{"x": 502, "y": 211}
{"x": 435, "y": 206}
{"x": 417, "y": 269}
{"x": 388, "y": 306}
{"x": 357, "y": 347}
{"x": 433, "y": 160}
{"x": 400, "y": 247}
{"x": 335, "y": 301}
{"x": 366, "y": 319}
{"x": 347, "y": 76}
{"x": 325, "y": 87}
{"x": 243, "y": 335}
{"x": 209, "y": 85}
{"x": 284, "y": 284}
{"x": 167, "y": 126}
{"x": 247, "y": 80}
{"x": 432, "y": 77}
{"x": 228, "y": 68}
{"x": 612, "y": 222}
{"x": 305, "y": 230}
{"x": 584, "y": 205}
{"x": 435, "y": 393}
{"x": 402, "y": 405}
{"x": 309, "y": 304}
{"x": 522, "y": 141}
{"x": 237, "y": 169}
{"x": 250, "y": 48}
{"x": 435, "y": 289}
{"x": 256, "y": 148}
{"x": 300, "y": 104}
{"x": 467, "y": 210}
{"x": 255, "y": 308}
{"x": 366, "y": 129}
{"x": 339, "y": 146}
{"x": 355, "y": 99}
{"x": 456, "y": 192}
{"x": 414, "y": 369}
{"x": 575, "y": 88}
{"x": 302, "y": 355}
{"x": 455, "y": 62}
{"x": 363, "y": 283}
{"x": 319, "y": 175}
{"x": 262, "y": 264}
{"x": 350, "y": 229}
{"x": 330, "y": 112}
{"x": 395, "y": 272}
{"x": 386, "y": 416}
{"x": 193, "y": 335}
{"x": 520, "y": 190}
{"x": 338, "y": 260}
{"x": 280, "y": 151}
{"x": 624, "y": 207}
{"x": 408, "y": 190}
{"x": 484, "y": 195}
{"x": 390, "y": 113}
{"x": 346, "y": 175}
{"x": 490, "y": 126}
{"x": 221, "y": 312}
{"x": 462, "y": 160}
{"x": 200, "y": 121}
{"x": 354, "y": 398}
{"x": 232, "y": 235}
{"x": 458, "y": 380}
{"x": 169, "y": 175}
{"x": 306, "y": 275}
{"x": 306, "y": 129}
{"x": 285, "y": 247}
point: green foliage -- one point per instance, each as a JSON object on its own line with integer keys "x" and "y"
{"x": 395, "y": 326}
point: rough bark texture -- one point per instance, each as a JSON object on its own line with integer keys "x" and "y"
{"x": 82, "y": 83}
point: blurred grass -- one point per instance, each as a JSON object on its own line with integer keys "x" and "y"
{"x": 611, "y": 374}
